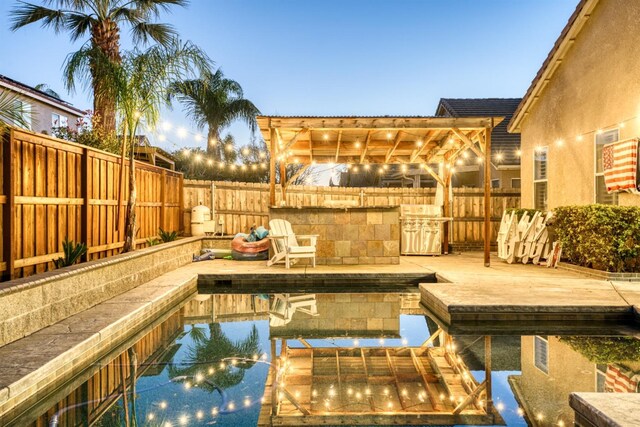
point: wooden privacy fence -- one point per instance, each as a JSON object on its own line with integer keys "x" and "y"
{"x": 53, "y": 189}
{"x": 241, "y": 205}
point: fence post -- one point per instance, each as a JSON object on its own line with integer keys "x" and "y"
{"x": 84, "y": 191}
{"x": 181, "y": 203}
{"x": 8, "y": 213}
{"x": 163, "y": 199}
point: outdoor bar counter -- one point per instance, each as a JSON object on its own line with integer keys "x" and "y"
{"x": 348, "y": 235}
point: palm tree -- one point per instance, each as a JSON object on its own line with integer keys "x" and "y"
{"x": 210, "y": 351}
{"x": 103, "y": 20}
{"x": 12, "y": 112}
{"x": 138, "y": 85}
{"x": 215, "y": 102}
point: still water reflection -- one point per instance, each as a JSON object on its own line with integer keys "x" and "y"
{"x": 243, "y": 360}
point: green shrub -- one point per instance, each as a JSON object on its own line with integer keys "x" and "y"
{"x": 605, "y": 349}
{"x": 167, "y": 236}
{"x": 603, "y": 237}
{"x": 72, "y": 253}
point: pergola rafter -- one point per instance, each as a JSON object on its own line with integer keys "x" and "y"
{"x": 352, "y": 140}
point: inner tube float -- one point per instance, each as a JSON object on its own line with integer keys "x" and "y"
{"x": 241, "y": 250}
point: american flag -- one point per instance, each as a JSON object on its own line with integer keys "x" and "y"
{"x": 620, "y": 380}
{"x": 620, "y": 164}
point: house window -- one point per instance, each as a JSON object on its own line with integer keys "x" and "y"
{"x": 541, "y": 353}
{"x": 495, "y": 183}
{"x": 58, "y": 121}
{"x": 540, "y": 178}
{"x": 515, "y": 182}
{"x": 602, "y": 196}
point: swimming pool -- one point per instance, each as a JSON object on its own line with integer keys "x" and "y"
{"x": 353, "y": 358}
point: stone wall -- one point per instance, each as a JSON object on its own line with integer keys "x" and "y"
{"x": 32, "y": 303}
{"x": 368, "y": 315}
{"x": 348, "y": 236}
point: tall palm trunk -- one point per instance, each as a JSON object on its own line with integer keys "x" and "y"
{"x": 216, "y": 150}
{"x": 106, "y": 37}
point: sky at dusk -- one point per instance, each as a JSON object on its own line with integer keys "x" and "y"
{"x": 331, "y": 57}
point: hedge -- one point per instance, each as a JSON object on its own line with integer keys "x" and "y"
{"x": 605, "y": 349}
{"x": 602, "y": 237}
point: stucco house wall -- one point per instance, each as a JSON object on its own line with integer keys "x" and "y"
{"x": 597, "y": 86}
{"x": 42, "y": 106}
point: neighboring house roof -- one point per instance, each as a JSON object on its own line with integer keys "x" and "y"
{"x": 33, "y": 93}
{"x": 502, "y": 142}
{"x": 568, "y": 35}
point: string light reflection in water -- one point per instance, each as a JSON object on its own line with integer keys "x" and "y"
{"x": 209, "y": 363}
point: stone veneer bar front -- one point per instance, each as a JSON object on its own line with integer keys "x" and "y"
{"x": 353, "y": 235}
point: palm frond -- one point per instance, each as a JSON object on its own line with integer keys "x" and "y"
{"x": 143, "y": 32}
{"x": 12, "y": 111}
{"x": 155, "y": 7}
{"x": 27, "y": 13}
{"x": 78, "y": 24}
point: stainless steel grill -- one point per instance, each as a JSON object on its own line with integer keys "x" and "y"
{"x": 421, "y": 227}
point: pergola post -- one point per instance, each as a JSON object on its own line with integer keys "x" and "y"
{"x": 446, "y": 202}
{"x": 283, "y": 180}
{"x": 487, "y": 372}
{"x": 272, "y": 169}
{"x": 487, "y": 196}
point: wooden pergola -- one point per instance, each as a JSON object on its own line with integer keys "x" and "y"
{"x": 434, "y": 143}
{"x": 329, "y": 385}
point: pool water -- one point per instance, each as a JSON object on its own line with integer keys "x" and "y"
{"x": 211, "y": 361}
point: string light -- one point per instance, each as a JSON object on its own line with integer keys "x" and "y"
{"x": 357, "y": 144}
{"x": 419, "y": 143}
{"x": 388, "y": 135}
{"x": 182, "y": 133}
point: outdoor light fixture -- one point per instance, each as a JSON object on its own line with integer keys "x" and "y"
{"x": 599, "y": 131}
{"x": 262, "y": 154}
{"x": 559, "y": 143}
{"x": 182, "y": 133}
{"x": 459, "y": 162}
{"x": 166, "y": 126}
{"x": 245, "y": 151}
{"x": 518, "y": 153}
{"x": 185, "y": 152}
{"x": 197, "y": 137}
{"x": 465, "y": 154}
{"x": 499, "y": 156}
{"x": 355, "y": 169}
{"x": 367, "y": 167}
{"x": 209, "y": 162}
{"x": 419, "y": 143}
{"x": 325, "y": 136}
{"x": 388, "y": 135}
{"x": 621, "y": 124}
{"x": 212, "y": 141}
{"x": 229, "y": 147}
{"x": 579, "y": 138}
{"x": 357, "y": 144}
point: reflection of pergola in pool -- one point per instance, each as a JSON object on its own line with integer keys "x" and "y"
{"x": 376, "y": 385}
{"x": 367, "y": 141}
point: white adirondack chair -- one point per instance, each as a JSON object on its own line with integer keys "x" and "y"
{"x": 284, "y": 306}
{"x": 285, "y": 244}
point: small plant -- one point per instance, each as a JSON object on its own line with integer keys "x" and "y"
{"x": 167, "y": 236}
{"x": 152, "y": 242}
{"x": 72, "y": 253}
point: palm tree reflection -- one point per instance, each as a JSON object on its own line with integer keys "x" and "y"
{"x": 220, "y": 362}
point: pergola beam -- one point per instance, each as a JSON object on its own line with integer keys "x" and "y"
{"x": 487, "y": 198}
{"x": 392, "y": 150}
{"x": 366, "y": 146}
{"x": 416, "y": 153}
{"x": 338, "y": 145}
{"x": 297, "y": 174}
{"x": 295, "y": 138}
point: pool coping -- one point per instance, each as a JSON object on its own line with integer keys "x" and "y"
{"x": 138, "y": 308}
{"x": 605, "y": 409}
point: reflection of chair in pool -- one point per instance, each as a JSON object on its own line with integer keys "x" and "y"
{"x": 284, "y": 305}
